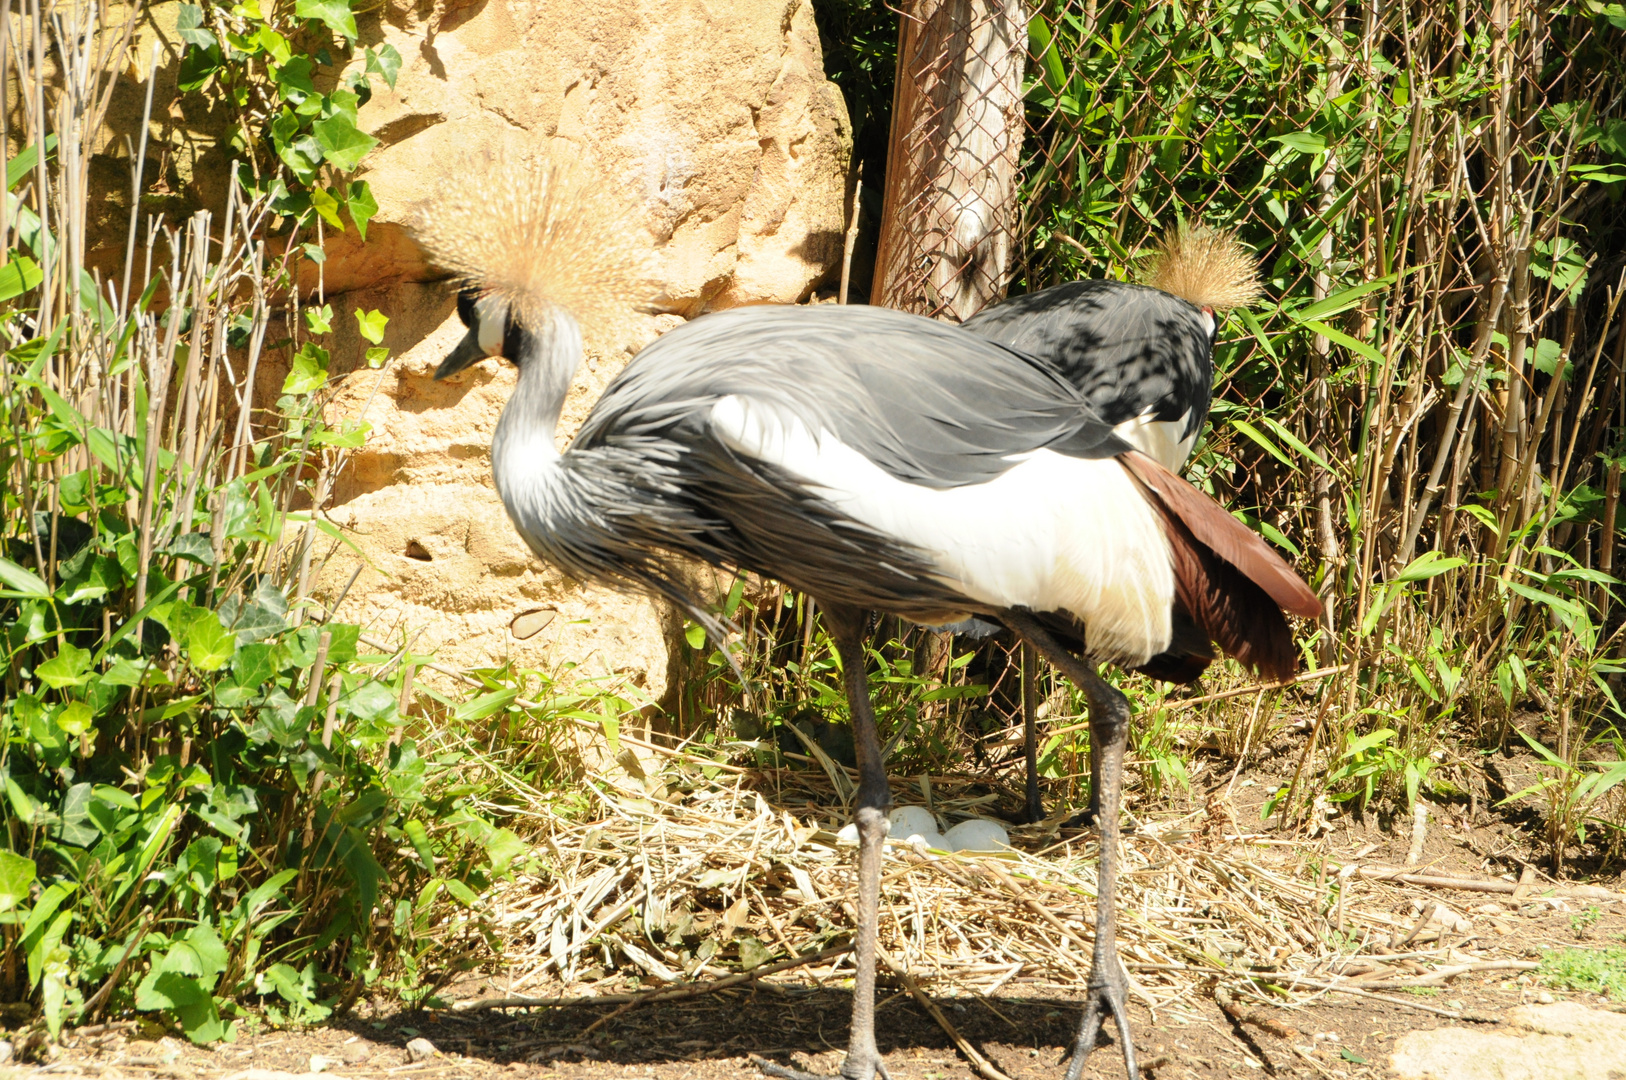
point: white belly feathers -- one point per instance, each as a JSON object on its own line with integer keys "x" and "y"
{"x": 1050, "y": 533}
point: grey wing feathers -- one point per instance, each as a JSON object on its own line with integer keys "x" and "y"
{"x": 1129, "y": 349}
{"x": 924, "y": 401}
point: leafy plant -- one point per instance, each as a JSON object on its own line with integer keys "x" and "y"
{"x": 1419, "y": 415}
{"x": 297, "y": 130}
{"x": 1595, "y": 971}
{"x": 213, "y": 791}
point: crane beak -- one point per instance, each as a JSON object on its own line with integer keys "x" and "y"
{"x": 468, "y": 352}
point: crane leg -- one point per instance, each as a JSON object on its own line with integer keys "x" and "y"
{"x": 1030, "y": 733}
{"x": 863, "y": 1061}
{"x": 1108, "y": 990}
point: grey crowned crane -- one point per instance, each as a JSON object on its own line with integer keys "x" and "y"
{"x": 1142, "y": 356}
{"x": 875, "y": 460}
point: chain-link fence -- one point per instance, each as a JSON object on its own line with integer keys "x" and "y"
{"x": 949, "y": 211}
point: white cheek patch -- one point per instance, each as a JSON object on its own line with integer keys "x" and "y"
{"x": 1159, "y": 440}
{"x": 491, "y": 323}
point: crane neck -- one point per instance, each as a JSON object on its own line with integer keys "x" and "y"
{"x": 524, "y": 439}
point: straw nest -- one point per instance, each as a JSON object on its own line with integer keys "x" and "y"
{"x": 694, "y": 875}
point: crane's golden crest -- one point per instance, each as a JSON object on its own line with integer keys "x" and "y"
{"x": 1206, "y": 266}
{"x": 542, "y": 231}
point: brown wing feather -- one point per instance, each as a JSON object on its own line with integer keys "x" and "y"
{"x": 1225, "y": 536}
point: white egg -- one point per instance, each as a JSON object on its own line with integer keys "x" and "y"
{"x": 911, "y": 821}
{"x": 848, "y": 833}
{"x": 978, "y": 834}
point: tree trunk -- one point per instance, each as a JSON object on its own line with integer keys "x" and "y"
{"x": 951, "y": 177}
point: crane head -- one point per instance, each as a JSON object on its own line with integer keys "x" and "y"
{"x": 492, "y": 331}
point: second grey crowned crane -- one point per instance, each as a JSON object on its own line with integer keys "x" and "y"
{"x": 875, "y": 460}
{"x": 1142, "y": 356}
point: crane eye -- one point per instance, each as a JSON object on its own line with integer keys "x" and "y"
{"x": 466, "y": 299}
{"x": 512, "y": 340}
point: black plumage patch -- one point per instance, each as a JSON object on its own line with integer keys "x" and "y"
{"x": 1129, "y": 349}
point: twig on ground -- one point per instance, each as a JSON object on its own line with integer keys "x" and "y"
{"x": 1455, "y": 1014}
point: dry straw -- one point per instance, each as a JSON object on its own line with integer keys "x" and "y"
{"x": 1201, "y": 905}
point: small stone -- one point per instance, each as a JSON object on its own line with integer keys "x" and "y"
{"x": 6, "y": 1051}
{"x": 321, "y": 1063}
{"x": 1544, "y": 998}
{"x": 420, "y": 1049}
{"x": 354, "y": 1051}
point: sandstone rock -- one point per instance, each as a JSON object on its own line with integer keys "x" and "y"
{"x": 441, "y": 562}
{"x": 1564, "y": 1041}
{"x": 718, "y": 121}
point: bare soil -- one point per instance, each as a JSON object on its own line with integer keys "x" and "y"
{"x": 1024, "y": 1030}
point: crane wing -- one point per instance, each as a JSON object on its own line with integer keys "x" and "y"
{"x": 920, "y": 399}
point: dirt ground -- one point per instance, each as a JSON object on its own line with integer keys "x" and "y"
{"x": 1024, "y": 1030}
{"x": 1024, "y": 1033}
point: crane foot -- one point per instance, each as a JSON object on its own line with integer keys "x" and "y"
{"x": 1107, "y": 995}
{"x": 850, "y": 1070}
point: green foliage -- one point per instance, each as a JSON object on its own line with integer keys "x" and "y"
{"x": 210, "y": 793}
{"x": 297, "y": 130}
{"x": 1595, "y": 971}
{"x": 860, "y": 40}
{"x": 1436, "y": 464}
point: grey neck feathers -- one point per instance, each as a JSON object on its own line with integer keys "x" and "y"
{"x": 524, "y": 457}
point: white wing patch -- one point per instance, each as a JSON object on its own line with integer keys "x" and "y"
{"x": 1051, "y": 533}
{"x": 1159, "y": 440}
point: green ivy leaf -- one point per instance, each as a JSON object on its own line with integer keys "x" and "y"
{"x": 16, "y": 875}
{"x": 308, "y": 372}
{"x": 323, "y": 202}
{"x": 351, "y": 436}
{"x": 342, "y": 143}
{"x": 376, "y": 357}
{"x": 335, "y": 13}
{"x": 76, "y": 718}
{"x": 258, "y": 618}
{"x": 98, "y": 577}
{"x": 197, "y": 66}
{"x": 275, "y": 45}
{"x": 77, "y": 827}
{"x": 363, "y": 207}
{"x": 385, "y": 61}
{"x": 502, "y": 848}
{"x": 319, "y": 320}
{"x": 1546, "y": 356}
{"x": 371, "y": 324}
{"x": 67, "y": 668}
{"x": 190, "y": 25}
{"x": 208, "y": 644}
{"x": 298, "y": 151}
{"x": 293, "y": 80}
{"x": 196, "y": 547}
